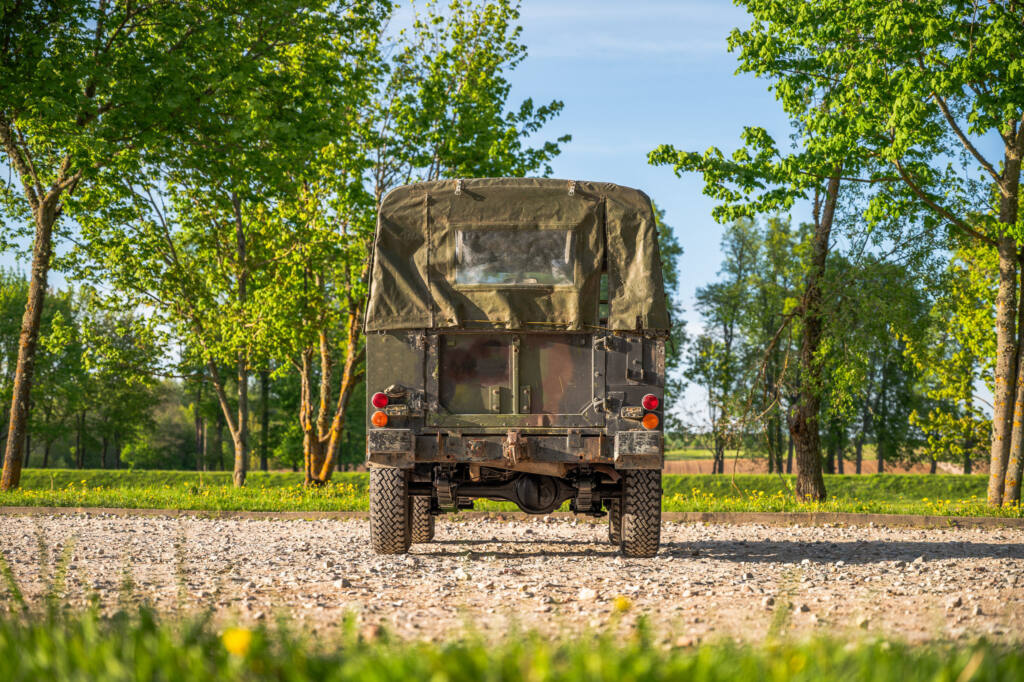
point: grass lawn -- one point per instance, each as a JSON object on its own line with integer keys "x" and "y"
{"x": 943, "y": 495}
{"x": 84, "y": 646}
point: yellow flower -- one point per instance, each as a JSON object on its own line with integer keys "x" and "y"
{"x": 622, "y": 603}
{"x": 237, "y": 640}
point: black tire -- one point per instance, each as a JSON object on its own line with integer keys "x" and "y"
{"x": 422, "y": 520}
{"x": 390, "y": 531}
{"x": 615, "y": 522}
{"x": 641, "y": 512}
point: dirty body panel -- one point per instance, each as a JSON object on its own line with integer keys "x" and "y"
{"x": 516, "y": 342}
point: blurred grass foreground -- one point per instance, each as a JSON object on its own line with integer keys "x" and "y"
{"x": 940, "y": 495}
{"x": 139, "y": 645}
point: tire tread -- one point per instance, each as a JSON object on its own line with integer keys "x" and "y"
{"x": 641, "y": 513}
{"x": 389, "y": 511}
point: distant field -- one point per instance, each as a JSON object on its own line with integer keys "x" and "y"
{"x": 689, "y": 453}
{"x": 939, "y": 494}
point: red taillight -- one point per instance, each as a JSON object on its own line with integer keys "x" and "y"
{"x": 379, "y": 400}
{"x": 650, "y": 402}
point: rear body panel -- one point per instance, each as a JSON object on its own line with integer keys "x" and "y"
{"x": 458, "y": 395}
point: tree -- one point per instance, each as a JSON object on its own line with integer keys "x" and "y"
{"x": 957, "y": 356}
{"x": 925, "y": 83}
{"x": 121, "y": 359}
{"x": 198, "y": 247}
{"x": 812, "y": 172}
{"x": 89, "y": 91}
{"x": 718, "y": 360}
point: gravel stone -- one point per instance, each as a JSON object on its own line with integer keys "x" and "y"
{"x": 546, "y": 575}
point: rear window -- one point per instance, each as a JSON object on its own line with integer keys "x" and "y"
{"x": 515, "y": 257}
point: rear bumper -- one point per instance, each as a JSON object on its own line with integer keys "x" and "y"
{"x": 626, "y": 450}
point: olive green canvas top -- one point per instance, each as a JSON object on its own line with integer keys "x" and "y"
{"x": 515, "y": 253}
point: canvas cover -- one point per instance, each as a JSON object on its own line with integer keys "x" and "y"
{"x": 515, "y": 253}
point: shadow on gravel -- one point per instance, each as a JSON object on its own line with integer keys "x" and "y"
{"x": 785, "y": 551}
{"x": 853, "y": 552}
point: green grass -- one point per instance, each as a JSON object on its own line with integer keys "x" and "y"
{"x": 943, "y": 495}
{"x": 139, "y": 646}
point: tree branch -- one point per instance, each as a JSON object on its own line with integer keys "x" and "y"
{"x": 29, "y": 179}
{"x": 968, "y": 145}
{"x": 941, "y": 210}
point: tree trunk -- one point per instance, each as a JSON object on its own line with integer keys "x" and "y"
{"x": 218, "y": 442}
{"x": 858, "y": 453}
{"x": 789, "y": 448}
{"x": 264, "y": 419}
{"x": 810, "y": 485}
{"x": 934, "y": 467}
{"x": 968, "y": 464}
{"x": 28, "y": 448}
{"x": 117, "y": 451}
{"x": 79, "y": 441}
{"x": 46, "y": 453}
{"x": 198, "y": 424}
{"x": 240, "y": 435}
{"x": 103, "y": 453}
{"x": 719, "y": 456}
{"x": 240, "y": 429}
{"x": 1015, "y": 458}
{"x": 840, "y": 458}
{"x": 880, "y": 458}
{"x": 45, "y": 214}
{"x": 322, "y": 440}
{"x": 1005, "y": 375}
{"x": 310, "y": 441}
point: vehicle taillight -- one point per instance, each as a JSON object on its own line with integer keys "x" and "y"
{"x": 379, "y": 400}
{"x": 650, "y": 421}
{"x": 379, "y": 419}
{"x": 650, "y": 402}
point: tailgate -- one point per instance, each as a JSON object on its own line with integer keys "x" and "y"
{"x": 500, "y": 380}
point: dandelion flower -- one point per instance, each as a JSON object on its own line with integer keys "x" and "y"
{"x": 622, "y": 603}
{"x": 237, "y": 640}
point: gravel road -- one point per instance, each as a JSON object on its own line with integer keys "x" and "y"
{"x": 708, "y": 581}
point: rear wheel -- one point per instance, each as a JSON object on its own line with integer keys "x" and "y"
{"x": 422, "y": 520}
{"x": 390, "y": 531}
{"x": 641, "y": 512}
{"x": 615, "y": 522}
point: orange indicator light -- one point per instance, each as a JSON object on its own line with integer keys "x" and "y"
{"x": 650, "y": 421}
{"x": 379, "y": 419}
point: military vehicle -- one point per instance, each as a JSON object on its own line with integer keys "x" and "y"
{"x": 515, "y": 350}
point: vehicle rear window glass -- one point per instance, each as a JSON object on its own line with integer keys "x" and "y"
{"x": 515, "y": 257}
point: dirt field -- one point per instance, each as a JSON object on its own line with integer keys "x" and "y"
{"x": 746, "y": 465}
{"x": 556, "y": 576}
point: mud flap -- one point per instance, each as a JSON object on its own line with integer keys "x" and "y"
{"x": 638, "y": 450}
{"x": 390, "y": 447}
